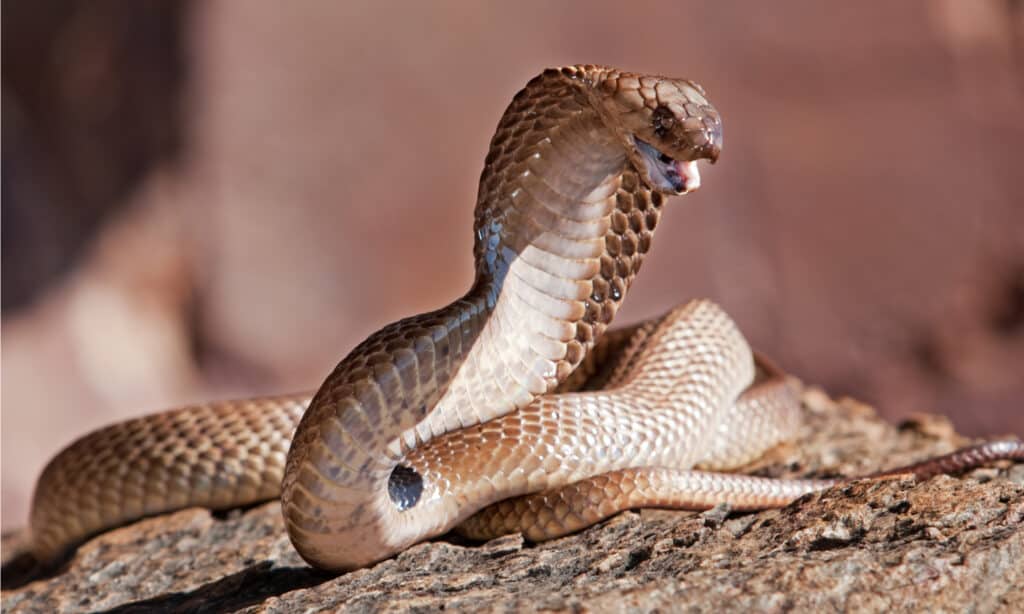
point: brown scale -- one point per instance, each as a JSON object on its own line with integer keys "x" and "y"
{"x": 629, "y": 238}
{"x": 349, "y": 494}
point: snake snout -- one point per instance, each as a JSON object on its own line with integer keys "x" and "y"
{"x": 713, "y": 148}
{"x": 702, "y": 135}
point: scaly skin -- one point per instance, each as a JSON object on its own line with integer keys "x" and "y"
{"x": 511, "y": 397}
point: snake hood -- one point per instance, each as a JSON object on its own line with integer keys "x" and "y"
{"x": 396, "y": 445}
{"x": 440, "y": 415}
{"x": 569, "y": 128}
{"x": 571, "y": 191}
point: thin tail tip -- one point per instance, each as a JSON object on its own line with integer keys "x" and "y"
{"x": 1008, "y": 448}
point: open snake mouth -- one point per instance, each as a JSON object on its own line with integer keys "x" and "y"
{"x": 666, "y": 172}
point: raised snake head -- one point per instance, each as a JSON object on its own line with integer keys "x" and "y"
{"x": 666, "y": 125}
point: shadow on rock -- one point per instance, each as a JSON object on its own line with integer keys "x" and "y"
{"x": 248, "y": 587}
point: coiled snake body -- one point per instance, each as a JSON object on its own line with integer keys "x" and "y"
{"x": 513, "y": 395}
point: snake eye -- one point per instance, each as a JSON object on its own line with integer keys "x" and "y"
{"x": 662, "y": 121}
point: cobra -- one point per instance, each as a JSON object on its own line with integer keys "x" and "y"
{"x": 511, "y": 409}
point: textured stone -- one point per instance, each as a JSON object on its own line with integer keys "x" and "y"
{"x": 948, "y": 544}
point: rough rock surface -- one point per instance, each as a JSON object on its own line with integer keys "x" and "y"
{"x": 948, "y": 544}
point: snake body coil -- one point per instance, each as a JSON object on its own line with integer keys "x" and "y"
{"x": 514, "y": 389}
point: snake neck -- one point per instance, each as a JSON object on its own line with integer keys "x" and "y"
{"x": 561, "y": 226}
{"x": 543, "y": 213}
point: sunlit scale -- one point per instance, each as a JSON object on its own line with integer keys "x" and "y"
{"x": 552, "y": 207}
{"x": 436, "y": 417}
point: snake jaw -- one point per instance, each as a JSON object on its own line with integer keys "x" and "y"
{"x": 666, "y": 173}
{"x": 690, "y": 175}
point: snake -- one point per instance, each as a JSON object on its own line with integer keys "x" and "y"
{"x": 514, "y": 408}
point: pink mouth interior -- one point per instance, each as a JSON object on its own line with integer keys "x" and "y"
{"x": 690, "y": 175}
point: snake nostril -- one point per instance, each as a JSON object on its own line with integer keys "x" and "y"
{"x": 405, "y": 485}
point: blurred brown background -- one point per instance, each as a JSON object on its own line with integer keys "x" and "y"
{"x": 216, "y": 199}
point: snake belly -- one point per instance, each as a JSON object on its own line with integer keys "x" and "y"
{"x": 510, "y": 409}
{"x": 437, "y": 416}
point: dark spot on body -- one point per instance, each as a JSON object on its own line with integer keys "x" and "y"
{"x": 405, "y": 485}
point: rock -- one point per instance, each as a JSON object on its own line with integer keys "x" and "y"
{"x": 942, "y": 545}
